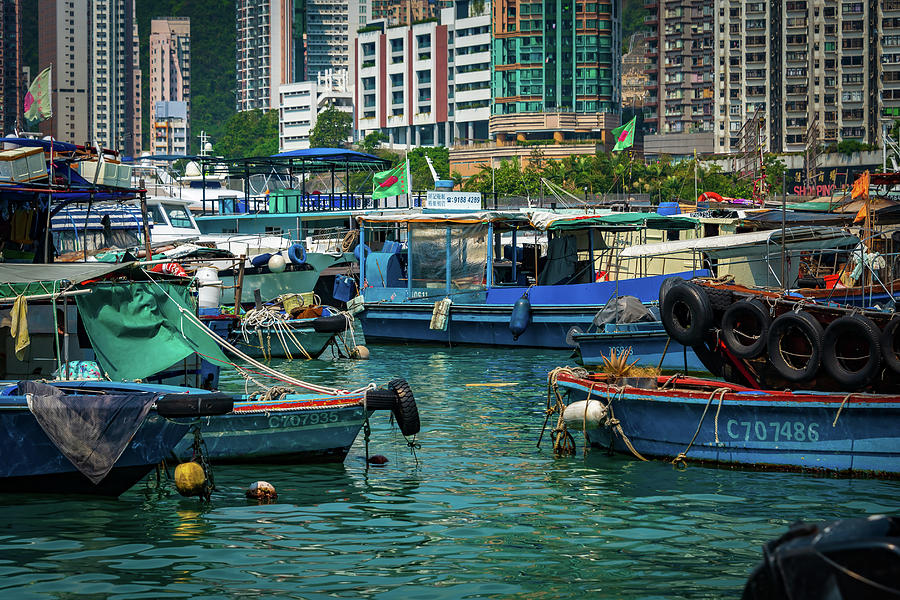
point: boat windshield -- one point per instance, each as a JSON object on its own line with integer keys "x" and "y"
{"x": 431, "y": 245}
{"x": 178, "y": 216}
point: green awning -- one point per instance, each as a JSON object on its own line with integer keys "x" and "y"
{"x": 35, "y": 279}
{"x": 624, "y": 219}
{"x": 137, "y": 328}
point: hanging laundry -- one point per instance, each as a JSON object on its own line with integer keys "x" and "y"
{"x": 19, "y": 327}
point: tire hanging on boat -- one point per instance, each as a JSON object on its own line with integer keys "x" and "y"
{"x": 851, "y": 351}
{"x": 667, "y": 285}
{"x": 745, "y": 328}
{"x": 686, "y": 313}
{"x": 795, "y": 346}
{"x": 405, "y": 410}
{"x": 333, "y": 324}
{"x": 890, "y": 344}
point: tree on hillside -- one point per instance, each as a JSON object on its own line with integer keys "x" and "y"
{"x": 249, "y": 133}
{"x": 372, "y": 141}
{"x": 333, "y": 127}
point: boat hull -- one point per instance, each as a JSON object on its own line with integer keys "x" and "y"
{"x": 650, "y": 348}
{"x": 266, "y": 342}
{"x": 486, "y": 325}
{"x": 752, "y": 428}
{"x": 297, "y": 429}
{"x": 33, "y": 464}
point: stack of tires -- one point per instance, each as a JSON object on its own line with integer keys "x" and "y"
{"x": 795, "y": 346}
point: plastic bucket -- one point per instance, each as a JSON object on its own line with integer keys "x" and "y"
{"x": 831, "y": 280}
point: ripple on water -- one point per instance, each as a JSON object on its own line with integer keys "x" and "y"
{"x": 478, "y": 512}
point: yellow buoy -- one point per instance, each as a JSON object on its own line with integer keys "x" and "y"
{"x": 190, "y": 479}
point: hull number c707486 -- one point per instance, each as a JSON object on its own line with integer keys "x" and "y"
{"x": 772, "y": 431}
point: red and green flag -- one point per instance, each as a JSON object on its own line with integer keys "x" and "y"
{"x": 390, "y": 183}
{"x": 624, "y": 135}
{"x": 38, "y": 106}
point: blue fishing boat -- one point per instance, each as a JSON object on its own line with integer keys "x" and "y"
{"x": 681, "y": 419}
{"x": 291, "y": 427}
{"x": 467, "y": 278}
{"x": 647, "y": 343}
{"x": 98, "y": 438}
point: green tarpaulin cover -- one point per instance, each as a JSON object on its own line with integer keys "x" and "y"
{"x": 137, "y": 329}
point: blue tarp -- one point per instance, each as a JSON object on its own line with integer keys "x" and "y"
{"x": 329, "y": 154}
{"x": 45, "y": 144}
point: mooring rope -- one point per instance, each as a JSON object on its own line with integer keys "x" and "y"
{"x": 840, "y": 408}
{"x": 680, "y": 459}
{"x": 613, "y": 423}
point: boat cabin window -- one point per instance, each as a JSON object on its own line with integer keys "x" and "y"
{"x": 178, "y": 216}
{"x": 431, "y": 245}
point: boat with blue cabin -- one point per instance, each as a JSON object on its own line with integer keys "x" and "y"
{"x": 518, "y": 278}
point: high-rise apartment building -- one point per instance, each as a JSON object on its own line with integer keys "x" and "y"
{"x": 556, "y": 69}
{"x": 427, "y": 84}
{"x": 96, "y": 93}
{"x": 170, "y": 81}
{"x": 331, "y": 27}
{"x": 302, "y": 102}
{"x": 830, "y": 68}
{"x": 265, "y": 51}
{"x": 11, "y": 83}
{"x": 680, "y": 73}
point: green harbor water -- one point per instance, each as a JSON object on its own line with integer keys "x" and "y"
{"x": 477, "y": 512}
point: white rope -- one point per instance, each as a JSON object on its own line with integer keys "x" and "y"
{"x": 185, "y": 313}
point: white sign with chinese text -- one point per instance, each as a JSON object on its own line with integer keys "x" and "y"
{"x": 455, "y": 201}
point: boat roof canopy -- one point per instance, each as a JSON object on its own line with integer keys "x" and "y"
{"x": 613, "y": 220}
{"x": 70, "y": 272}
{"x": 310, "y": 160}
{"x": 443, "y": 217}
{"x": 727, "y": 246}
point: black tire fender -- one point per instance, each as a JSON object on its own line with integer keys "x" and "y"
{"x": 667, "y": 285}
{"x": 333, "y": 324}
{"x": 745, "y": 328}
{"x": 379, "y": 399}
{"x": 194, "y": 405}
{"x": 686, "y": 313}
{"x": 889, "y": 341}
{"x": 858, "y": 335}
{"x": 787, "y": 336}
{"x": 405, "y": 410}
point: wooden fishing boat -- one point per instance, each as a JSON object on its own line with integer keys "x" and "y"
{"x": 456, "y": 282}
{"x": 683, "y": 419}
{"x": 40, "y": 451}
{"x": 648, "y": 345}
{"x": 290, "y": 427}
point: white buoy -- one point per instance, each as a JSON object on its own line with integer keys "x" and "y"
{"x": 210, "y": 295}
{"x": 276, "y": 263}
{"x": 575, "y": 417}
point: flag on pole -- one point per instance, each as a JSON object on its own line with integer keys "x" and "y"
{"x": 390, "y": 183}
{"x": 624, "y": 135}
{"x": 861, "y": 188}
{"x": 38, "y": 106}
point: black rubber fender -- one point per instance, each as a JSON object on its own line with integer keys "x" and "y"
{"x": 890, "y": 340}
{"x": 405, "y": 410}
{"x": 792, "y": 334}
{"x": 333, "y": 324}
{"x": 858, "y": 337}
{"x": 194, "y": 405}
{"x": 745, "y": 328}
{"x": 686, "y": 313}
{"x": 667, "y": 285}
{"x": 380, "y": 399}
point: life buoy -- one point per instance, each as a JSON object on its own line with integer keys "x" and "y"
{"x": 171, "y": 268}
{"x": 889, "y": 344}
{"x": 686, "y": 313}
{"x": 297, "y": 254}
{"x": 851, "y": 351}
{"x": 795, "y": 346}
{"x": 745, "y": 328}
{"x": 667, "y": 285}
{"x": 405, "y": 410}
